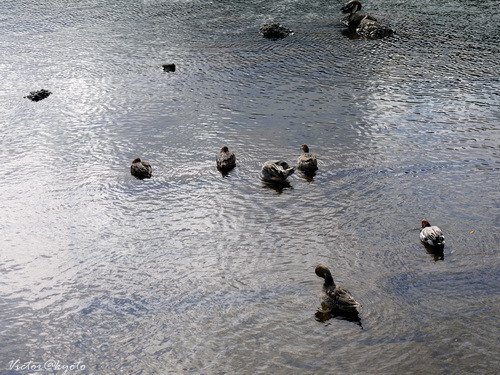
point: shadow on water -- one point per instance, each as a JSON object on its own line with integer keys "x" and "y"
{"x": 277, "y": 186}
{"x": 350, "y": 34}
{"x": 437, "y": 252}
{"x": 308, "y": 176}
{"x": 324, "y": 314}
{"x": 224, "y": 171}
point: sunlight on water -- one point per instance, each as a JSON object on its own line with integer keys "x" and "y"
{"x": 194, "y": 272}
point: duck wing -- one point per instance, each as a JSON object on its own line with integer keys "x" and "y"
{"x": 432, "y": 235}
{"x": 343, "y": 298}
{"x": 277, "y": 170}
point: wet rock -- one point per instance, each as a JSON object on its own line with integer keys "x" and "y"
{"x": 372, "y": 29}
{"x": 274, "y": 31}
{"x": 141, "y": 169}
{"x": 38, "y": 95}
{"x": 168, "y": 67}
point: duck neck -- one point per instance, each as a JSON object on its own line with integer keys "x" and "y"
{"x": 329, "y": 280}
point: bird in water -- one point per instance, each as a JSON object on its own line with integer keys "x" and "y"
{"x": 351, "y": 7}
{"x": 307, "y": 162}
{"x": 276, "y": 171}
{"x": 335, "y": 297}
{"x": 141, "y": 169}
{"x": 226, "y": 160}
{"x": 431, "y": 234}
{"x": 361, "y": 24}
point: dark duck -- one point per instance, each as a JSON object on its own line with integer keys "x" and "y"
{"x": 307, "y": 162}
{"x": 363, "y": 25}
{"x": 335, "y": 297}
{"x": 226, "y": 160}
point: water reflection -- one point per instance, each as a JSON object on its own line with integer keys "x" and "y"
{"x": 224, "y": 172}
{"x": 94, "y": 257}
{"x": 324, "y": 313}
{"x": 437, "y": 252}
{"x": 308, "y": 176}
{"x": 277, "y": 186}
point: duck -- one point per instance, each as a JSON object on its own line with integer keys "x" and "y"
{"x": 141, "y": 169}
{"x": 335, "y": 297}
{"x": 361, "y": 24}
{"x": 353, "y": 18}
{"x": 307, "y": 162}
{"x": 275, "y": 31}
{"x": 431, "y": 234}
{"x": 351, "y": 7}
{"x": 226, "y": 160}
{"x": 276, "y": 171}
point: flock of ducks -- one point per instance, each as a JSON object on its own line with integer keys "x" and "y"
{"x": 273, "y": 171}
{"x": 359, "y": 25}
{"x": 335, "y": 300}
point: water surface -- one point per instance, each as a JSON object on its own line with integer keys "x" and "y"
{"x": 190, "y": 272}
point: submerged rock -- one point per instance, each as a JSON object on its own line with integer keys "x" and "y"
{"x": 274, "y": 31}
{"x": 372, "y": 29}
{"x": 38, "y": 95}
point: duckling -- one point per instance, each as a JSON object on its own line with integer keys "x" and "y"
{"x": 226, "y": 160}
{"x": 335, "y": 297}
{"x": 141, "y": 169}
{"x": 276, "y": 171}
{"x": 307, "y": 162}
{"x": 431, "y": 234}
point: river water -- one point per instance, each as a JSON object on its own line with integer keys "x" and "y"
{"x": 190, "y": 272}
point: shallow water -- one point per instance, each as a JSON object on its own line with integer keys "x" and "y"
{"x": 190, "y": 272}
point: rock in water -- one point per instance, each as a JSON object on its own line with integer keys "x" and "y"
{"x": 38, "y": 95}
{"x": 168, "y": 67}
{"x": 274, "y": 31}
{"x": 141, "y": 169}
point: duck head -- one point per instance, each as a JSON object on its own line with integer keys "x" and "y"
{"x": 351, "y": 7}
{"x": 224, "y": 149}
{"x": 305, "y": 148}
{"x": 425, "y": 223}
{"x": 323, "y": 271}
{"x": 138, "y": 160}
